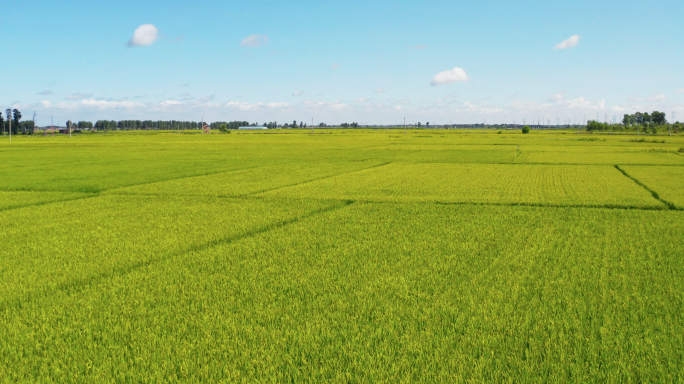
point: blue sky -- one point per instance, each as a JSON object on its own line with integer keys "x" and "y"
{"x": 373, "y": 62}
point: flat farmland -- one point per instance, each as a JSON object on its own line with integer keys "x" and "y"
{"x": 481, "y": 183}
{"x": 346, "y": 255}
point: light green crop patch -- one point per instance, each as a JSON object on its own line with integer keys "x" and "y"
{"x": 667, "y": 182}
{"x": 247, "y": 181}
{"x": 48, "y": 247}
{"x": 481, "y": 183}
{"x": 18, "y": 199}
{"x": 381, "y": 293}
{"x": 560, "y": 157}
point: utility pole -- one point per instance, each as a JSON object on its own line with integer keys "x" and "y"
{"x": 70, "y": 128}
{"x": 405, "y": 125}
{"x": 312, "y": 125}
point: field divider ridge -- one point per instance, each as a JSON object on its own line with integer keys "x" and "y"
{"x": 38, "y": 204}
{"x": 80, "y": 285}
{"x": 644, "y": 186}
{"x": 317, "y": 179}
{"x": 113, "y": 190}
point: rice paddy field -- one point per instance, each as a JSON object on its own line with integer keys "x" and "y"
{"x": 342, "y": 256}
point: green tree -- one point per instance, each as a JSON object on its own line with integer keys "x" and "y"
{"x": 526, "y": 129}
{"x": 658, "y": 118}
{"x": 15, "y": 121}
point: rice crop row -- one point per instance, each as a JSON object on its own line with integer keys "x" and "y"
{"x": 48, "y": 247}
{"x": 18, "y": 199}
{"x": 560, "y": 157}
{"x": 247, "y": 181}
{"x": 381, "y": 293}
{"x": 480, "y": 183}
{"x": 667, "y": 182}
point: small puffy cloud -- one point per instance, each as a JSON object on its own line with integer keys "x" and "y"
{"x": 145, "y": 34}
{"x": 207, "y": 98}
{"x": 419, "y": 47}
{"x": 298, "y": 93}
{"x": 361, "y": 100}
{"x": 680, "y": 91}
{"x": 450, "y": 76}
{"x": 45, "y": 104}
{"x": 569, "y": 43}
{"x": 558, "y": 96}
{"x": 254, "y": 41}
{"x": 380, "y": 90}
{"x": 76, "y": 96}
{"x": 45, "y": 93}
{"x": 335, "y": 66}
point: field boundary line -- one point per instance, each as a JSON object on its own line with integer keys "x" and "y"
{"x": 80, "y": 285}
{"x": 48, "y": 202}
{"x": 438, "y": 202}
{"x": 644, "y": 186}
{"x": 317, "y": 179}
{"x": 113, "y": 190}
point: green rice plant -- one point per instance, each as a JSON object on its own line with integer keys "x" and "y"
{"x": 342, "y": 256}
{"x": 380, "y": 293}
{"x": 18, "y": 199}
{"x": 50, "y": 247}
{"x": 667, "y": 182}
{"x": 248, "y": 181}
{"x": 603, "y": 158}
{"x": 480, "y": 183}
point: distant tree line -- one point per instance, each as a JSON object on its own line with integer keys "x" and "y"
{"x": 643, "y": 119}
{"x": 14, "y": 116}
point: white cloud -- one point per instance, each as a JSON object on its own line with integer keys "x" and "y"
{"x": 420, "y": 47}
{"x": 450, "y": 76}
{"x": 77, "y": 96}
{"x": 361, "y": 100}
{"x": 335, "y": 66}
{"x": 45, "y": 104}
{"x": 254, "y": 41}
{"x": 45, "y": 93}
{"x": 558, "y": 96}
{"x": 278, "y": 105}
{"x": 105, "y": 104}
{"x": 298, "y": 93}
{"x": 145, "y": 34}
{"x": 680, "y": 90}
{"x": 472, "y": 108}
{"x": 207, "y": 98}
{"x": 569, "y": 43}
{"x": 653, "y": 98}
{"x": 380, "y": 90}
